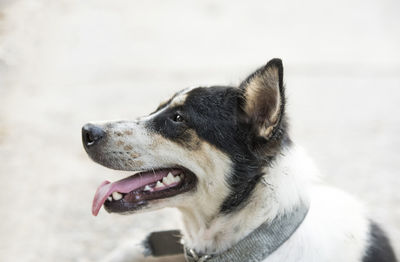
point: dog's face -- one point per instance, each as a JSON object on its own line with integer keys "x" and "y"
{"x": 205, "y": 146}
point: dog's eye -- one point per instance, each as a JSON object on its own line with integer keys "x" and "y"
{"x": 177, "y": 118}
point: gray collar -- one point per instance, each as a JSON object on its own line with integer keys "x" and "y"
{"x": 260, "y": 243}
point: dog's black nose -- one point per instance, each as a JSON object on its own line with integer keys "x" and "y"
{"x": 91, "y": 135}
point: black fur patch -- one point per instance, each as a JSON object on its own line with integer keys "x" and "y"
{"x": 215, "y": 114}
{"x": 379, "y": 249}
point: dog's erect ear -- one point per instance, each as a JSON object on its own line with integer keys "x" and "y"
{"x": 263, "y": 98}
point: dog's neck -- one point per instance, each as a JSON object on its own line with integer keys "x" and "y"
{"x": 282, "y": 187}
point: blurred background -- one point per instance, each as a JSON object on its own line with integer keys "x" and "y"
{"x": 67, "y": 62}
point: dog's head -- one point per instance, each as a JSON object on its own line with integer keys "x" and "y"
{"x": 204, "y": 145}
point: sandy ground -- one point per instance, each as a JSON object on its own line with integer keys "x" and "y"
{"x": 64, "y": 63}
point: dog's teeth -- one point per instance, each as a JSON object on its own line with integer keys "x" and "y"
{"x": 177, "y": 179}
{"x": 116, "y": 196}
{"x": 159, "y": 184}
{"x": 168, "y": 179}
{"x": 147, "y": 188}
{"x": 109, "y": 198}
{"x": 165, "y": 181}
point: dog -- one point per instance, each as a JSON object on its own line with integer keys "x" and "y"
{"x": 222, "y": 156}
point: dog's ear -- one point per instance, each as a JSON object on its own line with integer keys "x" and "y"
{"x": 263, "y": 98}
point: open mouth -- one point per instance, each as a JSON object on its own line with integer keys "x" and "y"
{"x": 134, "y": 192}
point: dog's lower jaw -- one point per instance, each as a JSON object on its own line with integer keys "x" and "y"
{"x": 282, "y": 187}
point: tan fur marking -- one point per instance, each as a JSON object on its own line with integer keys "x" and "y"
{"x": 156, "y": 141}
{"x": 118, "y": 133}
{"x": 163, "y": 103}
{"x": 262, "y": 96}
{"x": 198, "y": 149}
{"x": 273, "y": 80}
{"x": 194, "y": 142}
{"x": 128, "y": 132}
{"x": 266, "y": 131}
{"x": 137, "y": 163}
{"x": 179, "y": 100}
{"x": 134, "y": 155}
{"x": 120, "y": 143}
{"x": 128, "y": 148}
{"x": 202, "y": 157}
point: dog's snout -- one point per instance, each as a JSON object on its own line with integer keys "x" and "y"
{"x": 91, "y": 135}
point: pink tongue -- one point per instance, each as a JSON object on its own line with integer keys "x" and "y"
{"x": 126, "y": 185}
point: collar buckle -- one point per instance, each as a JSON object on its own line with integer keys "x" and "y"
{"x": 192, "y": 256}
